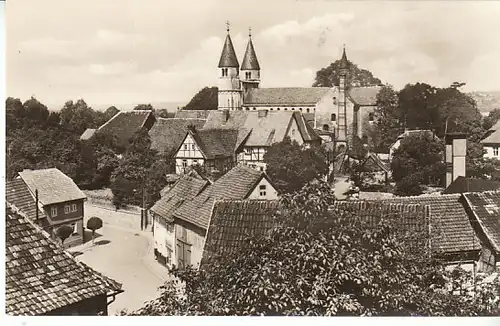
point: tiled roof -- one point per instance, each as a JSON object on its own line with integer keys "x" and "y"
{"x": 234, "y": 221}
{"x": 228, "y": 56}
{"x": 167, "y": 134}
{"x": 193, "y": 114}
{"x": 486, "y": 209}
{"x": 235, "y": 184}
{"x": 306, "y": 130}
{"x": 53, "y": 186}
{"x": 294, "y": 96}
{"x": 257, "y": 128}
{"x": 375, "y": 159}
{"x": 216, "y": 142}
{"x": 186, "y": 188}
{"x": 463, "y": 184}
{"x": 493, "y": 138}
{"x": 250, "y": 61}
{"x": 124, "y": 124}
{"x": 40, "y": 275}
{"x": 449, "y": 222}
{"x": 267, "y": 127}
{"x": 364, "y": 96}
{"x": 87, "y": 134}
{"x": 17, "y": 193}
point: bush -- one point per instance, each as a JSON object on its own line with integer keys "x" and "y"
{"x": 409, "y": 186}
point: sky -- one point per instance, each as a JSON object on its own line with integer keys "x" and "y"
{"x": 131, "y": 51}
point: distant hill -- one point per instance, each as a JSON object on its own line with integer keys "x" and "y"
{"x": 486, "y": 101}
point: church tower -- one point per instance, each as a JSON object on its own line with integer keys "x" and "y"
{"x": 229, "y": 94}
{"x": 250, "y": 67}
{"x": 341, "y": 103}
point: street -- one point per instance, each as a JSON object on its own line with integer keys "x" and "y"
{"x": 124, "y": 255}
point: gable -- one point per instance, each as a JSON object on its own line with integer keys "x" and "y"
{"x": 189, "y": 148}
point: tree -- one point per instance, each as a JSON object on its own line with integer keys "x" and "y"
{"x": 122, "y": 190}
{"x": 163, "y": 113}
{"x": 110, "y": 112}
{"x": 78, "y": 116}
{"x": 64, "y": 232}
{"x": 314, "y": 262}
{"x": 387, "y": 126}
{"x": 419, "y": 157}
{"x": 418, "y": 108}
{"x": 94, "y": 223}
{"x": 205, "y": 99}
{"x": 290, "y": 166}
{"x": 492, "y": 118}
{"x": 146, "y": 107}
{"x": 329, "y": 76}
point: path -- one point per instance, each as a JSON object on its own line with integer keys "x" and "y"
{"x": 125, "y": 256}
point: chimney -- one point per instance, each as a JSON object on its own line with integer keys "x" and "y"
{"x": 456, "y": 150}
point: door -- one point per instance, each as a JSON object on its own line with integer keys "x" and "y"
{"x": 183, "y": 254}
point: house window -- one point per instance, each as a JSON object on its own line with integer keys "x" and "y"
{"x": 53, "y": 211}
{"x": 74, "y": 226}
{"x": 293, "y": 132}
{"x": 334, "y": 117}
{"x": 325, "y": 127}
{"x": 271, "y": 109}
{"x": 261, "y": 168}
{"x": 307, "y": 110}
{"x": 254, "y": 109}
{"x": 262, "y": 189}
{"x": 184, "y": 163}
{"x": 73, "y": 207}
{"x": 286, "y": 109}
{"x": 495, "y": 151}
{"x": 300, "y": 109}
{"x": 248, "y": 109}
{"x": 185, "y": 146}
{"x": 293, "y": 109}
{"x": 370, "y": 116}
{"x": 248, "y": 151}
{"x": 67, "y": 209}
{"x": 278, "y": 109}
{"x": 195, "y": 161}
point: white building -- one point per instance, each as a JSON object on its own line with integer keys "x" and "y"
{"x": 491, "y": 142}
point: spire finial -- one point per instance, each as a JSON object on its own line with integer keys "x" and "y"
{"x": 249, "y": 31}
{"x": 227, "y": 26}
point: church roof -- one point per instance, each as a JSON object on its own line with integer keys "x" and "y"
{"x": 364, "y": 96}
{"x": 250, "y": 61}
{"x": 228, "y": 57}
{"x": 291, "y": 96}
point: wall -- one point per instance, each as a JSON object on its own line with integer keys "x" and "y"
{"x": 270, "y": 191}
{"x": 294, "y": 133}
{"x": 61, "y": 215}
{"x": 87, "y": 307}
{"x": 301, "y": 108}
{"x": 129, "y": 217}
{"x": 190, "y": 152}
{"x": 325, "y": 108}
{"x": 490, "y": 153}
{"x": 190, "y": 234}
{"x": 164, "y": 238}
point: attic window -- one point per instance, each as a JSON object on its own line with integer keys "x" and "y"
{"x": 262, "y": 190}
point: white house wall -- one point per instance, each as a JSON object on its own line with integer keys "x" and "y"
{"x": 164, "y": 239}
{"x": 491, "y": 152}
{"x": 189, "y": 153}
{"x": 264, "y": 190}
{"x": 294, "y": 132}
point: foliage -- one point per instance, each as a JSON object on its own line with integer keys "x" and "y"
{"x": 319, "y": 262}
{"x": 64, "y": 232}
{"x": 290, "y": 166}
{"x": 387, "y": 125}
{"x": 409, "y": 186}
{"x": 145, "y": 107}
{"x": 492, "y": 118}
{"x": 329, "y": 76}
{"x": 79, "y": 116}
{"x": 93, "y": 224}
{"x": 163, "y": 113}
{"x": 419, "y": 156}
{"x": 205, "y": 99}
{"x": 140, "y": 174}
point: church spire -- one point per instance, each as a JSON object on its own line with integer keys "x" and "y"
{"x": 228, "y": 57}
{"x": 344, "y": 63}
{"x": 250, "y": 61}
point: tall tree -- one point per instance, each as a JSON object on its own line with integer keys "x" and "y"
{"x": 145, "y": 107}
{"x": 205, "y": 99}
{"x": 329, "y": 76}
{"x": 78, "y": 116}
{"x": 290, "y": 166}
{"x": 387, "y": 120}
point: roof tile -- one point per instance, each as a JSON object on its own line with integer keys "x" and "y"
{"x": 486, "y": 209}
{"x": 167, "y": 134}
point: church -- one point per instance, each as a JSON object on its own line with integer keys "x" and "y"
{"x": 341, "y": 111}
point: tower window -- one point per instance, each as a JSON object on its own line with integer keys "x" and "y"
{"x": 325, "y": 127}
{"x": 334, "y": 117}
{"x": 224, "y": 72}
{"x": 307, "y": 110}
{"x": 248, "y": 75}
{"x": 334, "y": 100}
